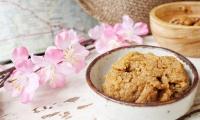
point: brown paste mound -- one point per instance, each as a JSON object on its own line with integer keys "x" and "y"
{"x": 145, "y": 78}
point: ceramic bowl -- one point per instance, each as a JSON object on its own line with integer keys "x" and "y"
{"x": 113, "y": 109}
{"x": 180, "y": 38}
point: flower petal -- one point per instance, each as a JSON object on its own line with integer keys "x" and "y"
{"x": 73, "y": 37}
{"x": 104, "y": 46}
{"x": 65, "y": 38}
{"x": 136, "y": 39}
{"x": 127, "y": 21}
{"x": 108, "y": 32}
{"x": 107, "y": 37}
{"x": 33, "y": 83}
{"x": 19, "y": 54}
{"x": 26, "y": 98}
{"x": 53, "y": 55}
{"x": 30, "y": 88}
{"x": 101, "y": 46}
{"x": 25, "y": 66}
{"x": 60, "y": 41}
{"x": 80, "y": 52}
{"x": 102, "y": 31}
{"x": 79, "y": 65}
{"x": 65, "y": 68}
{"x": 141, "y": 28}
{"x": 15, "y": 83}
{"x": 95, "y": 33}
{"x": 58, "y": 82}
{"x": 125, "y": 29}
{"x": 45, "y": 74}
{"x": 38, "y": 61}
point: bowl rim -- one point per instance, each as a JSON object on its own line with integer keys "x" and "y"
{"x": 153, "y": 16}
{"x": 153, "y": 104}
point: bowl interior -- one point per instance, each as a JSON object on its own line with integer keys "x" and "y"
{"x": 103, "y": 63}
{"x": 168, "y": 11}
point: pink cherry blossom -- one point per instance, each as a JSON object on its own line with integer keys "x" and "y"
{"x": 121, "y": 34}
{"x": 58, "y": 63}
{"x": 102, "y": 31}
{"x": 19, "y": 54}
{"x": 66, "y": 38}
{"x": 105, "y": 45}
{"x": 106, "y": 38}
{"x": 23, "y": 82}
{"x": 127, "y": 30}
{"x": 74, "y": 54}
{"x": 51, "y": 67}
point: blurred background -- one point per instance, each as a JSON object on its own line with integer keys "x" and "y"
{"x": 33, "y": 23}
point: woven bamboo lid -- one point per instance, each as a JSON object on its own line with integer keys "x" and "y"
{"x": 111, "y": 11}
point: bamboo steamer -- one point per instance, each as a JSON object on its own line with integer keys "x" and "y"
{"x": 180, "y": 38}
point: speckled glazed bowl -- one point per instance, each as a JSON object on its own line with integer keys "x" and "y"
{"x": 113, "y": 109}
